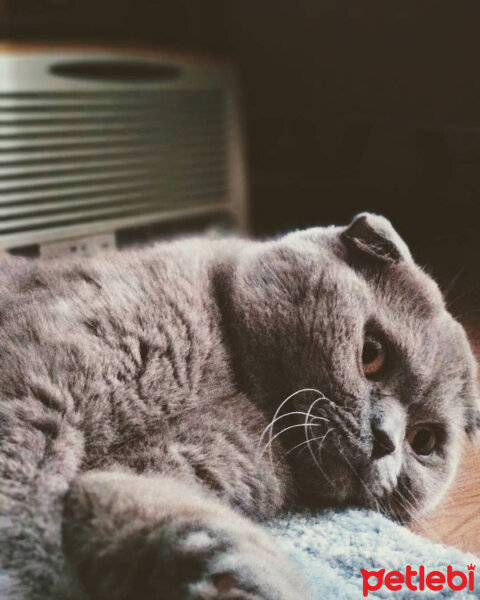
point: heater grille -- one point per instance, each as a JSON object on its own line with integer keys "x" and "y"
{"x": 74, "y": 161}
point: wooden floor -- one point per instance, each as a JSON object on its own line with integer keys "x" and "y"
{"x": 456, "y": 521}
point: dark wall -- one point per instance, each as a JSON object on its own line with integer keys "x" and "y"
{"x": 185, "y": 24}
{"x": 351, "y": 108}
{"x": 366, "y": 106}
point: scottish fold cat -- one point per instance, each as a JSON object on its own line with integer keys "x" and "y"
{"x": 156, "y": 405}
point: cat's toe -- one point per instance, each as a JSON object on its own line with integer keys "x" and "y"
{"x": 246, "y": 567}
{"x": 221, "y": 586}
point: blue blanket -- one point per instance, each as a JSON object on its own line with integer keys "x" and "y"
{"x": 331, "y": 549}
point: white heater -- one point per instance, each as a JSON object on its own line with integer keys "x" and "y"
{"x": 93, "y": 141}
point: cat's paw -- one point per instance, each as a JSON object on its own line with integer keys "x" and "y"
{"x": 133, "y": 536}
{"x": 232, "y": 560}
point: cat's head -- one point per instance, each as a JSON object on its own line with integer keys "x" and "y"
{"x": 388, "y": 377}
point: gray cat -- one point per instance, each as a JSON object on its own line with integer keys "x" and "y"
{"x": 156, "y": 403}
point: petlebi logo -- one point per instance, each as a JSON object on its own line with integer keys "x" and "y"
{"x": 418, "y": 580}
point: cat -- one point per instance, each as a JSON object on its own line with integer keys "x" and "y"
{"x": 157, "y": 405}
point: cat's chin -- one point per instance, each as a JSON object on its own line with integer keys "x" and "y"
{"x": 335, "y": 486}
{"x": 339, "y": 485}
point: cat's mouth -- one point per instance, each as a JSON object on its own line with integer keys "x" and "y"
{"x": 343, "y": 479}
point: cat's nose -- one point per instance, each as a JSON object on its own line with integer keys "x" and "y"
{"x": 383, "y": 442}
{"x": 387, "y": 426}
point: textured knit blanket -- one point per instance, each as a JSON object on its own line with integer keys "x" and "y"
{"x": 331, "y": 549}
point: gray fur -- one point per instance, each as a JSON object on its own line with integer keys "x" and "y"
{"x": 137, "y": 397}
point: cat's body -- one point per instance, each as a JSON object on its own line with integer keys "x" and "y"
{"x": 129, "y": 352}
{"x": 135, "y": 408}
{"x": 117, "y": 364}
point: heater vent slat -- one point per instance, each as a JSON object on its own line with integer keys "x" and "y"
{"x": 62, "y": 164}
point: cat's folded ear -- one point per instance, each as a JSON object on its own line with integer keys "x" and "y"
{"x": 374, "y": 238}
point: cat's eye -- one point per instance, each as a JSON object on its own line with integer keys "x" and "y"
{"x": 423, "y": 439}
{"x": 373, "y": 356}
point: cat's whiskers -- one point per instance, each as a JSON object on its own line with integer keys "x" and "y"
{"x": 309, "y": 412}
{"x": 448, "y": 288}
{"x": 398, "y": 503}
{"x": 307, "y": 443}
{"x": 311, "y": 440}
{"x": 406, "y": 505}
{"x": 284, "y": 430}
{"x": 461, "y": 316}
{"x": 279, "y": 418}
{"x": 428, "y": 529}
{"x": 269, "y": 428}
{"x": 411, "y": 510}
{"x": 452, "y": 302}
{"x": 319, "y": 467}
{"x": 372, "y": 496}
{"x": 307, "y": 424}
